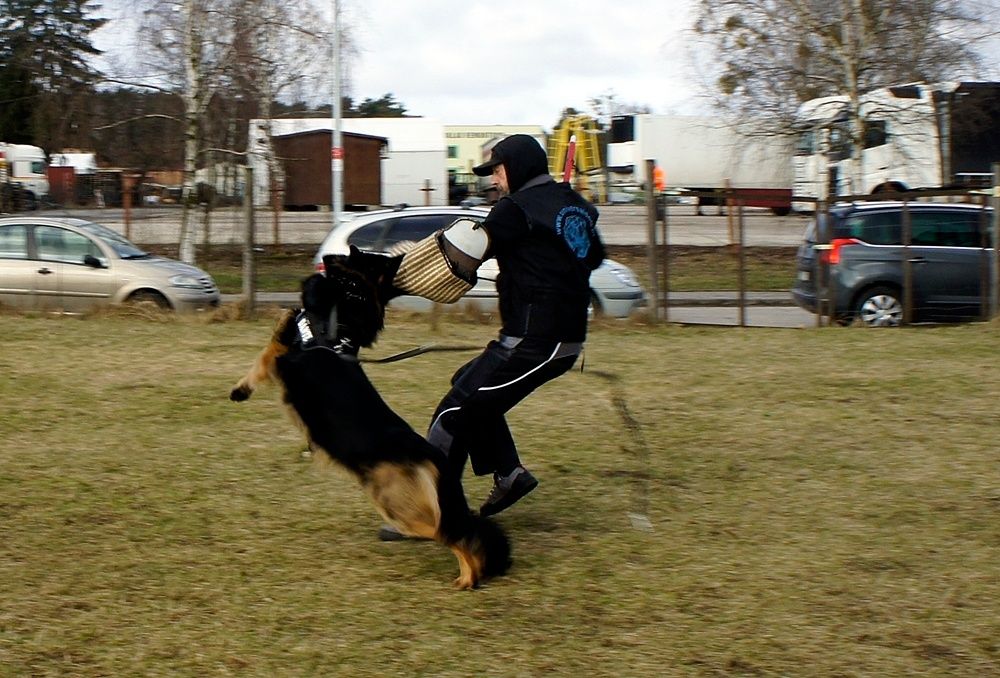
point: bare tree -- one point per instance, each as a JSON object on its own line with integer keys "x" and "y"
{"x": 282, "y": 51}
{"x": 212, "y": 53}
{"x": 769, "y": 56}
{"x": 607, "y": 105}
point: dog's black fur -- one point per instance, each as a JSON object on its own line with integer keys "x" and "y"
{"x": 411, "y": 483}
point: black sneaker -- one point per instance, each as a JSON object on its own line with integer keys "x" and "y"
{"x": 507, "y": 490}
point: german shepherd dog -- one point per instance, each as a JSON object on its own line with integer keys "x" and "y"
{"x": 313, "y": 356}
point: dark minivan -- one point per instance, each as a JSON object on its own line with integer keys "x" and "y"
{"x": 950, "y": 255}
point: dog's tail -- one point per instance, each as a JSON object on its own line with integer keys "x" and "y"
{"x": 481, "y": 543}
{"x": 495, "y": 545}
{"x": 481, "y": 538}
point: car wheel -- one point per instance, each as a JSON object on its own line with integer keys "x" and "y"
{"x": 148, "y": 298}
{"x": 880, "y": 307}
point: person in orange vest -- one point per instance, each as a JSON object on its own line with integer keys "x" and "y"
{"x": 659, "y": 179}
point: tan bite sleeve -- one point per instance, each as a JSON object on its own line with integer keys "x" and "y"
{"x": 425, "y": 272}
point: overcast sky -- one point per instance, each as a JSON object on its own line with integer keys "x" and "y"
{"x": 520, "y": 61}
{"x": 507, "y": 61}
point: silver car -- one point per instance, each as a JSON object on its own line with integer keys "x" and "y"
{"x": 73, "y": 265}
{"x": 615, "y": 290}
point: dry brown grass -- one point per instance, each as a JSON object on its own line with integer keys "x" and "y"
{"x": 713, "y": 502}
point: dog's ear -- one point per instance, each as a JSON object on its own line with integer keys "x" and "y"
{"x": 317, "y": 297}
{"x": 331, "y": 260}
{"x": 378, "y": 269}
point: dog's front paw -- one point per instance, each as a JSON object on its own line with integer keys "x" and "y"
{"x": 240, "y": 393}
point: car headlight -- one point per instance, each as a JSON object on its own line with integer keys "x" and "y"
{"x": 185, "y": 280}
{"x": 624, "y": 276}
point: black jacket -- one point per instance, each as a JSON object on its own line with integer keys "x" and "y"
{"x": 546, "y": 243}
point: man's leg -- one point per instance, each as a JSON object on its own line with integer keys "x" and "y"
{"x": 470, "y": 419}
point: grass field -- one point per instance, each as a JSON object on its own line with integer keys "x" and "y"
{"x": 713, "y": 502}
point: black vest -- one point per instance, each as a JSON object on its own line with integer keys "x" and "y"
{"x": 544, "y": 284}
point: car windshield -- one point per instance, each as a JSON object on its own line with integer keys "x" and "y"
{"x": 122, "y": 247}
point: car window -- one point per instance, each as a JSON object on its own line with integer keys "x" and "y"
{"x": 14, "y": 242}
{"x": 878, "y": 228}
{"x": 368, "y": 236}
{"x": 416, "y": 228}
{"x": 946, "y": 229}
{"x": 58, "y": 244}
{"x": 122, "y": 247}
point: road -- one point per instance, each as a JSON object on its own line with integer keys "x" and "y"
{"x": 756, "y": 316}
{"x": 619, "y": 224}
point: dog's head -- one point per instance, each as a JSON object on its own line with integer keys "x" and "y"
{"x": 357, "y": 286}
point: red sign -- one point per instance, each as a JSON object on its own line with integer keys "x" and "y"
{"x": 337, "y": 153}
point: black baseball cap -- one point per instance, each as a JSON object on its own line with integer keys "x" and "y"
{"x": 496, "y": 158}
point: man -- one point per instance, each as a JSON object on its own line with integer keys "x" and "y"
{"x": 543, "y": 235}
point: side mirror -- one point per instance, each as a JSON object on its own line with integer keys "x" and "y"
{"x": 92, "y": 261}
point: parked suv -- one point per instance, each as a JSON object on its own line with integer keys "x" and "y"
{"x": 949, "y": 253}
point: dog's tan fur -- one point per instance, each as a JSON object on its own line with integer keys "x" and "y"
{"x": 264, "y": 367}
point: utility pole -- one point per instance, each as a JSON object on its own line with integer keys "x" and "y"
{"x": 336, "y": 145}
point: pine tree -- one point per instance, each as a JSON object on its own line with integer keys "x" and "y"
{"x": 44, "y": 51}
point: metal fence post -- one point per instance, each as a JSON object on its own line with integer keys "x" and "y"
{"x": 742, "y": 262}
{"x": 985, "y": 261}
{"x": 907, "y": 265}
{"x": 654, "y": 279}
{"x": 665, "y": 237}
{"x": 249, "y": 281}
{"x": 820, "y": 262}
{"x": 995, "y": 287}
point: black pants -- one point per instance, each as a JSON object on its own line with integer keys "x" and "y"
{"x": 470, "y": 421}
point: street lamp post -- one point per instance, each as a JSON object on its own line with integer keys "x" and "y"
{"x": 336, "y": 142}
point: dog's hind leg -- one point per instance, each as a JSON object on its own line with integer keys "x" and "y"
{"x": 406, "y": 497}
{"x": 470, "y": 565}
{"x": 468, "y": 572}
{"x": 263, "y": 368}
{"x": 482, "y": 548}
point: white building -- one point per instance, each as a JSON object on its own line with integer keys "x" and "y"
{"x": 465, "y": 142}
{"x": 82, "y": 162}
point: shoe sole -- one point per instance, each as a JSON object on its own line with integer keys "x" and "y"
{"x": 392, "y": 535}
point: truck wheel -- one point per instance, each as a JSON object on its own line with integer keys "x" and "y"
{"x": 781, "y": 211}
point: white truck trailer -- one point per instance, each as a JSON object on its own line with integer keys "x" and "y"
{"x": 916, "y": 136}
{"x": 24, "y": 165}
{"x": 703, "y": 154}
